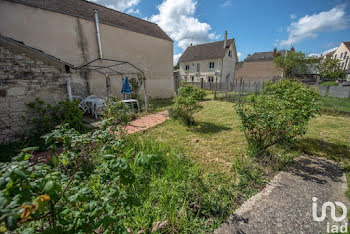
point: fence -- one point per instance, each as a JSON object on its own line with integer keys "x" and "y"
{"x": 232, "y": 90}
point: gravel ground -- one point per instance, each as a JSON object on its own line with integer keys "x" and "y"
{"x": 285, "y": 205}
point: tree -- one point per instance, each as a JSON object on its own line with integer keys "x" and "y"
{"x": 293, "y": 62}
{"x": 331, "y": 69}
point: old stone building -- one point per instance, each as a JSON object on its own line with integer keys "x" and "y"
{"x": 26, "y": 74}
{"x": 67, "y": 30}
{"x": 44, "y": 42}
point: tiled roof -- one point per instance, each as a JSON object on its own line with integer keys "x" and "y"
{"x": 347, "y": 44}
{"x": 263, "y": 56}
{"x": 85, "y": 9}
{"x": 205, "y": 51}
{"x": 328, "y": 55}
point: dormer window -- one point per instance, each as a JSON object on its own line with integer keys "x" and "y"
{"x": 187, "y": 67}
{"x": 230, "y": 53}
{"x": 211, "y": 65}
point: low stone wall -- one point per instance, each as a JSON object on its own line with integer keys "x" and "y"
{"x": 335, "y": 91}
{"x": 24, "y": 77}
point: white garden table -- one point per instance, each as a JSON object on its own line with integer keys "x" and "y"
{"x": 131, "y": 102}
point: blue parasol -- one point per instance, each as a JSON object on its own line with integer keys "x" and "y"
{"x": 126, "y": 86}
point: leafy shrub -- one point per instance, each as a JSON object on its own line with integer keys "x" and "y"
{"x": 330, "y": 83}
{"x": 186, "y": 103}
{"x": 111, "y": 185}
{"x": 117, "y": 114}
{"x": 278, "y": 115}
{"x": 331, "y": 69}
{"x": 49, "y": 116}
{"x": 136, "y": 83}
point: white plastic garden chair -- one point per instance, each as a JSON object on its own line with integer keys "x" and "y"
{"x": 98, "y": 105}
{"x": 86, "y": 104}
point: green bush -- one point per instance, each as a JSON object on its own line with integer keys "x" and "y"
{"x": 49, "y": 116}
{"x": 330, "y": 83}
{"x": 110, "y": 185}
{"x": 186, "y": 103}
{"x": 278, "y": 115}
{"x": 117, "y": 113}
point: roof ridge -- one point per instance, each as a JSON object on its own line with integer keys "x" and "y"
{"x": 212, "y": 42}
{"x": 108, "y": 16}
{"x": 268, "y": 51}
{"x": 94, "y": 3}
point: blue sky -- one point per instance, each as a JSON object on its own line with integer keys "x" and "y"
{"x": 311, "y": 26}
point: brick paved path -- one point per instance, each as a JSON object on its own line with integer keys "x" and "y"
{"x": 147, "y": 122}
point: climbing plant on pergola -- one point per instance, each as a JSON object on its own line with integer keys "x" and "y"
{"x": 114, "y": 68}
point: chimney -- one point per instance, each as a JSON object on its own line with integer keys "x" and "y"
{"x": 274, "y": 52}
{"x": 225, "y": 42}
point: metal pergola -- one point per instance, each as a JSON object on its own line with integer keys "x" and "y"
{"x": 112, "y": 68}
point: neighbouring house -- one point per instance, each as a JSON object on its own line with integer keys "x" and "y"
{"x": 343, "y": 54}
{"x": 259, "y": 67}
{"x": 43, "y": 42}
{"x": 209, "y": 63}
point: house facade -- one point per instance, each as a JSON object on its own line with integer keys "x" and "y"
{"x": 259, "y": 67}
{"x": 343, "y": 54}
{"x": 67, "y": 30}
{"x": 210, "y": 62}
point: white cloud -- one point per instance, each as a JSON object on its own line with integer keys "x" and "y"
{"x": 314, "y": 55}
{"x": 176, "y": 58}
{"x": 293, "y": 16}
{"x": 330, "y": 50}
{"x": 119, "y": 5}
{"x": 227, "y": 3}
{"x": 133, "y": 11}
{"x": 309, "y": 26}
{"x": 239, "y": 54}
{"x": 323, "y": 53}
{"x": 177, "y": 19}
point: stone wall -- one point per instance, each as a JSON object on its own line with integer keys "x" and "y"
{"x": 24, "y": 76}
{"x": 335, "y": 91}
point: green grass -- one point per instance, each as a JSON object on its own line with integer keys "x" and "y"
{"x": 214, "y": 143}
{"x": 207, "y": 174}
{"x": 218, "y": 146}
{"x": 333, "y": 104}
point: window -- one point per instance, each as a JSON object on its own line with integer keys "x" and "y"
{"x": 211, "y": 65}
{"x": 187, "y": 67}
{"x": 192, "y": 78}
{"x": 230, "y": 53}
{"x": 342, "y": 65}
{"x": 198, "y": 67}
{"x": 341, "y": 55}
{"x": 335, "y": 56}
{"x": 345, "y": 54}
{"x": 210, "y": 79}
